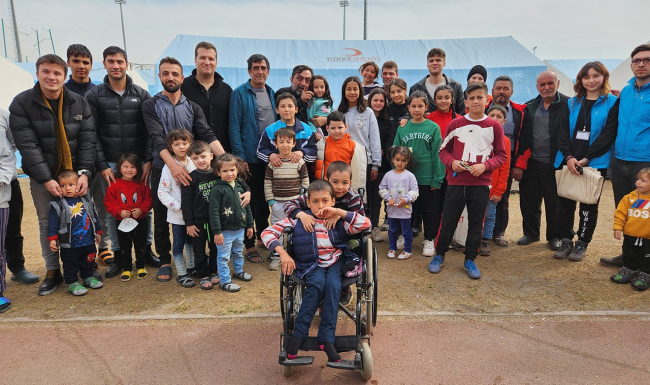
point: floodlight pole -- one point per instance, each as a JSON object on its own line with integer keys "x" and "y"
{"x": 38, "y": 42}
{"x": 365, "y": 19}
{"x": 120, "y": 2}
{"x": 52, "y": 40}
{"x": 4, "y": 41}
{"x": 344, "y": 4}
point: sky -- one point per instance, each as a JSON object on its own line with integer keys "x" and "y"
{"x": 560, "y": 29}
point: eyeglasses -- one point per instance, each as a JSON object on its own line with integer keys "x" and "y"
{"x": 645, "y": 60}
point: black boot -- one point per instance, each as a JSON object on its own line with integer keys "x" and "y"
{"x": 52, "y": 280}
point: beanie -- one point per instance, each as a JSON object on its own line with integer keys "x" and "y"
{"x": 478, "y": 69}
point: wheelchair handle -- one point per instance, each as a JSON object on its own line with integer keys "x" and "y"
{"x": 288, "y": 230}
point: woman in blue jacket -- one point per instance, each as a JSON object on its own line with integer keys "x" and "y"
{"x": 585, "y": 139}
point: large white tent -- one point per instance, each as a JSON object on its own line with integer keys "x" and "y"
{"x": 14, "y": 81}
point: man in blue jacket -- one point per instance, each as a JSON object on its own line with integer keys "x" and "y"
{"x": 633, "y": 139}
{"x": 252, "y": 109}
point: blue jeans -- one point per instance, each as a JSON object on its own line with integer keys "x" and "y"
{"x": 182, "y": 241}
{"x": 323, "y": 284}
{"x": 394, "y": 225}
{"x": 233, "y": 246}
{"x": 490, "y": 219}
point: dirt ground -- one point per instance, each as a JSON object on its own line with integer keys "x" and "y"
{"x": 516, "y": 279}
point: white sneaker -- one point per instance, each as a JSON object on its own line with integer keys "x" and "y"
{"x": 376, "y": 235}
{"x": 428, "y": 250}
{"x": 275, "y": 263}
{"x": 391, "y": 254}
{"x": 400, "y": 242}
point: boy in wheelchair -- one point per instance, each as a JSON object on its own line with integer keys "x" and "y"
{"x": 319, "y": 258}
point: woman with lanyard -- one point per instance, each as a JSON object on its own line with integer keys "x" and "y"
{"x": 586, "y": 139}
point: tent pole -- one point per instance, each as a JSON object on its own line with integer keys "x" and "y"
{"x": 4, "y": 41}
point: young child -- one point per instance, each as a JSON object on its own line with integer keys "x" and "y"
{"x": 338, "y": 145}
{"x": 422, "y": 137}
{"x": 195, "y": 205}
{"x": 444, "y": 113}
{"x": 473, "y": 145}
{"x": 320, "y": 105}
{"x": 7, "y": 174}
{"x": 399, "y": 189}
{"x": 73, "y": 223}
{"x": 632, "y": 218}
{"x": 169, "y": 193}
{"x": 318, "y": 258}
{"x": 305, "y": 143}
{"x": 283, "y": 183}
{"x": 228, "y": 219}
{"x": 369, "y": 72}
{"x": 498, "y": 185}
{"x": 126, "y": 198}
{"x": 378, "y": 101}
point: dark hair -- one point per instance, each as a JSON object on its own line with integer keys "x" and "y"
{"x": 301, "y": 67}
{"x": 178, "y": 134}
{"x": 285, "y": 132}
{"x": 79, "y": 50}
{"x": 383, "y": 114}
{"x": 436, "y": 52}
{"x": 361, "y": 102}
{"x": 370, "y": 64}
{"x": 339, "y": 166}
{"x": 66, "y": 173}
{"x": 336, "y": 116}
{"x": 499, "y": 108}
{"x": 327, "y": 96}
{"x": 205, "y": 45}
{"x": 198, "y": 147}
{"x": 113, "y": 50}
{"x": 641, "y": 48}
{"x": 399, "y": 83}
{"x": 389, "y": 64}
{"x": 584, "y": 71}
{"x": 256, "y": 58}
{"x": 400, "y": 150}
{"x": 503, "y": 78}
{"x": 51, "y": 58}
{"x": 448, "y": 88}
{"x": 320, "y": 185}
{"x": 418, "y": 95}
{"x": 226, "y": 159}
{"x": 476, "y": 86}
{"x": 134, "y": 160}
{"x": 285, "y": 95}
{"x": 169, "y": 60}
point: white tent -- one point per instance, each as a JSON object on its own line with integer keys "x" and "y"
{"x": 622, "y": 74}
{"x": 566, "y": 84}
{"x": 14, "y": 81}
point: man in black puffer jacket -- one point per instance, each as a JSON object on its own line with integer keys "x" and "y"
{"x": 53, "y": 129}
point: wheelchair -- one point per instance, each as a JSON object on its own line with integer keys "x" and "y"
{"x": 364, "y": 315}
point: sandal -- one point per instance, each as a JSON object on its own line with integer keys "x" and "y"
{"x": 185, "y": 281}
{"x": 105, "y": 257}
{"x": 205, "y": 284}
{"x": 230, "y": 287}
{"x": 142, "y": 273}
{"x": 165, "y": 270}
{"x": 214, "y": 278}
{"x": 243, "y": 276}
{"x": 126, "y": 276}
{"x": 254, "y": 257}
{"x": 500, "y": 241}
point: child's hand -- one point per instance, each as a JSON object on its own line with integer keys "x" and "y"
{"x": 403, "y": 122}
{"x": 275, "y": 160}
{"x": 136, "y": 213}
{"x": 307, "y": 220}
{"x": 331, "y": 222}
{"x": 193, "y": 231}
{"x": 296, "y": 156}
{"x": 317, "y": 136}
{"x": 125, "y": 214}
{"x": 477, "y": 169}
{"x": 457, "y": 167}
{"x": 617, "y": 235}
{"x": 249, "y": 233}
{"x": 287, "y": 263}
{"x": 98, "y": 238}
{"x": 391, "y": 202}
{"x": 374, "y": 174}
{"x": 53, "y": 246}
{"x": 329, "y": 212}
{"x": 218, "y": 239}
{"x": 402, "y": 202}
{"x": 245, "y": 199}
{"x": 495, "y": 199}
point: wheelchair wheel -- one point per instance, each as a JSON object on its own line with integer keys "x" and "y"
{"x": 287, "y": 371}
{"x": 375, "y": 281}
{"x": 368, "y": 307}
{"x": 366, "y": 361}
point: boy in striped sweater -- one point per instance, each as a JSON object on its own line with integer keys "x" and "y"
{"x": 283, "y": 183}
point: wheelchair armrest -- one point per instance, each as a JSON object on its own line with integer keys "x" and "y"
{"x": 288, "y": 230}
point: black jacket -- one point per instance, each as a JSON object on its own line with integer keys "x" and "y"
{"x": 215, "y": 103}
{"x": 559, "y": 112}
{"x": 34, "y": 129}
{"x": 302, "y": 106}
{"x": 459, "y": 96}
{"x": 79, "y": 88}
{"x": 119, "y": 123}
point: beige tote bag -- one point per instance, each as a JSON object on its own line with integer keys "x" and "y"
{"x": 585, "y": 188}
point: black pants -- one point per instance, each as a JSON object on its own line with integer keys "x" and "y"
{"x": 160, "y": 225}
{"x": 204, "y": 264}
{"x": 476, "y": 198}
{"x": 588, "y": 217}
{"x": 136, "y": 239}
{"x": 374, "y": 198}
{"x": 429, "y": 209}
{"x": 259, "y": 207}
{"x": 78, "y": 260}
{"x": 636, "y": 253}
{"x": 14, "y": 238}
{"x": 623, "y": 176}
{"x": 502, "y": 214}
{"x": 537, "y": 183}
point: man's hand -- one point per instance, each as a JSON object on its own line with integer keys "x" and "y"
{"x": 516, "y": 173}
{"x": 245, "y": 164}
{"x": 180, "y": 174}
{"x": 218, "y": 239}
{"x": 319, "y": 121}
{"x": 53, "y": 187}
{"x": 477, "y": 169}
{"x": 275, "y": 160}
{"x": 108, "y": 176}
{"x": 317, "y": 137}
{"x": 146, "y": 171}
{"x": 82, "y": 185}
{"x": 296, "y": 156}
{"x": 245, "y": 199}
{"x": 571, "y": 165}
{"x": 331, "y": 222}
{"x": 307, "y": 220}
{"x": 249, "y": 233}
{"x": 193, "y": 231}
{"x": 617, "y": 234}
{"x": 373, "y": 174}
{"x": 53, "y": 246}
{"x": 306, "y": 96}
{"x": 125, "y": 214}
{"x": 287, "y": 263}
{"x": 136, "y": 213}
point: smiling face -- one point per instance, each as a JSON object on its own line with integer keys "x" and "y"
{"x": 501, "y": 92}
{"x": 171, "y": 77}
{"x": 206, "y": 61}
{"x": 641, "y": 70}
{"x": 397, "y": 95}
{"x": 80, "y": 67}
{"x": 341, "y": 182}
{"x": 388, "y": 74}
{"x": 369, "y": 75}
{"x": 50, "y": 77}
{"x": 228, "y": 172}
{"x": 287, "y": 111}
{"x": 128, "y": 170}
{"x": 69, "y": 186}
{"x": 259, "y": 72}
{"x": 547, "y": 85}
{"x": 378, "y": 102}
{"x": 300, "y": 81}
{"x": 285, "y": 145}
{"x": 319, "y": 87}
{"x": 476, "y": 78}
{"x": 318, "y": 200}
{"x": 443, "y": 100}
{"x": 352, "y": 93}
{"x": 337, "y": 130}
{"x": 593, "y": 82}
{"x": 202, "y": 160}
{"x": 116, "y": 66}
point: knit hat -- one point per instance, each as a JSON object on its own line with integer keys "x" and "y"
{"x": 478, "y": 69}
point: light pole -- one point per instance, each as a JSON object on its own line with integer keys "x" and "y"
{"x": 120, "y": 2}
{"x": 534, "y": 49}
{"x": 344, "y": 4}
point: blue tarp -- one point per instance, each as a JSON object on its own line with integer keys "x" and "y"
{"x": 338, "y": 59}
{"x": 571, "y": 67}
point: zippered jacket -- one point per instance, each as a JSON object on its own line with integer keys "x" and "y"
{"x": 633, "y": 139}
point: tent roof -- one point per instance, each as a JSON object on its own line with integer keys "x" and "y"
{"x": 14, "y": 81}
{"x": 571, "y": 67}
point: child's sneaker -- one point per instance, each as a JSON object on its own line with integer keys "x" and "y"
{"x": 346, "y": 297}
{"x": 428, "y": 249}
{"x": 404, "y": 255}
{"x": 436, "y": 264}
{"x": 484, "y": 250}
{"x": 126, "y": 276}
{"x": 624, "y": 275}
{"x": 77, "y": 289}
{"x": 642, "y": 282}
{"x": 93, "y": 283}
{"x": 400, "y": 242}
{"x": 142, "y": 273}
{"x": 376, "y": 235}
{"x": 472, "y": 271}
{"x": 275, "y": 262}
{"x": 391, "y": 254}
{"x": 5, "y": 304}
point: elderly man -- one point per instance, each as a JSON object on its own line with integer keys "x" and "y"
{"x": 547, "y": 111}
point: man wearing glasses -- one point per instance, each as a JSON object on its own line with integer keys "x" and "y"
{"x": 633, "y": 139}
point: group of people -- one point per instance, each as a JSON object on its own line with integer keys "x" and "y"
{"x": 111, "y": 163}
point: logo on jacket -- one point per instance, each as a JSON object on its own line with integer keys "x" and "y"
{"x": 353, "y": 55}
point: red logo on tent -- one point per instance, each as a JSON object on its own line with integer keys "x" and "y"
{"x": 354, "y": 56}
{"x": 356, "y": 52}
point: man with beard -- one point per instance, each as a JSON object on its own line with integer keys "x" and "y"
{"x": 300, "y": 80}
{"x": 117, "y": 111}
{"x": 166, "y": 111}
{"x": 80, "y": 61}
{"x": 517, "y": 129}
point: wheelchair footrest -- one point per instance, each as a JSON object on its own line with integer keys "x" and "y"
{"x": 298, "y": 361}
{"x": 343, "y": 364}
{"x": 342, "y": 343}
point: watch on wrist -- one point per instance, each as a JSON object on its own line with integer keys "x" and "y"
{"x": 84, "y": 172}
